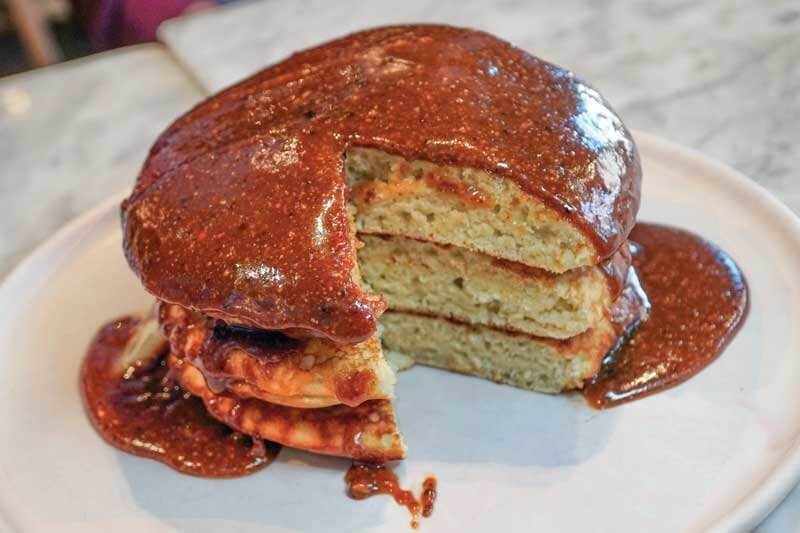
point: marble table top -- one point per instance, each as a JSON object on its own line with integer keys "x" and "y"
{"x": 75, "y": 133}
{"x": 721, "y": 77}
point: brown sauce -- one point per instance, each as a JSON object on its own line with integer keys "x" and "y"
{"x": 144, "y": 412}
{"x": 365, "y": 480}
{"x": 241, "y": 209}
{"x": 699, "y": 301}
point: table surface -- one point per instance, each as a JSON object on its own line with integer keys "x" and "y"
{"x": 721, "y": 77}
{"x": 75, "y": 133}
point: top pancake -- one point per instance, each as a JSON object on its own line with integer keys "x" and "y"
{"x": 241, "y": 208}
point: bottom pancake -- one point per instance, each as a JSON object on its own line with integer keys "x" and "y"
{"x": 535, "y": 363}
{"x": 367, "y": 432}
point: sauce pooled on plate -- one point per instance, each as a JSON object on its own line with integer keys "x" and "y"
{"x": 699, "y": 300}
{"x": 144, "y": 412}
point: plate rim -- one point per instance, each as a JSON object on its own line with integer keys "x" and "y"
{"x": 746, "y": 514}
{"x": 770, "y": 491}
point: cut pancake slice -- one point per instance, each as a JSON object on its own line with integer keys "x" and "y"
{"x": 463, "y": 207}
{"x": 304, "y": 373}
{"x": 453, "y": 282}
{"x": 536, "y": 363}
{"x": 367, "y": 432}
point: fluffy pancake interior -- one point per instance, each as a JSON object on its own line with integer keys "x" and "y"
{"x": 463, "y": 207}
{"x": 307, "y": 373}
{"x": 536, "y": 363}
{"x": 472, "y": 287}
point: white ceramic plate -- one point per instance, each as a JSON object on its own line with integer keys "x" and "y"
{"x": 716, "y": 452}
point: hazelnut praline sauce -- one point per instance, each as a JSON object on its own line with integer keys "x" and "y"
{"x": 241, "y": 209}
{"x": 144, "y": 412}
{"x": 365, "y": 480}
{"x": 699, "y": 300}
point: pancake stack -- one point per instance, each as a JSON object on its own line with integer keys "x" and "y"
{"x": 482, "y": 194}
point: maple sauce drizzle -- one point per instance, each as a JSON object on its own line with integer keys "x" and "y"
{"x": 366, "y": 479}
{"x": 699, "y": 300}
{"x": 145, "y": 412}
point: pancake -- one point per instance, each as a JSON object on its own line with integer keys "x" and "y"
{"x": 367, "y": 432}
{"x": 464, "y": 207}
{"x": 305, "y": 373}
{"x": 535, "y": 363}
{"x": 453, "y": 282}
{"x": 245, "y": 212}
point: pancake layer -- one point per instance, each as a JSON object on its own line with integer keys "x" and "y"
{"x": 367, "y": 432}
{"x": 305, "y": 373}
{"x": 467, "y": 286}
{"x": 536, "y": 363}
{"x": 464, "y": 207}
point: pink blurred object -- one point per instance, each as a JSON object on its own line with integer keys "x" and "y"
{"x": 113, "y": 23}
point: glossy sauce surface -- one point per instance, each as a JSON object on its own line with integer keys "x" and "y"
{"x": 365, "y": 480}
{"x": 144, "y": 412}
{"x": 699, "y": 300}
{"x": 240, "y": 210}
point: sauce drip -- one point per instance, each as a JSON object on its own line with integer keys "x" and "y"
{"x": 144, "y": 412}
{"x": 241, "y": 211}
{"x": 699, "y": 301}
{"x": 365, "y": 480}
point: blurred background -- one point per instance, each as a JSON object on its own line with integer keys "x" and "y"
{"x": 37, "y": 33}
